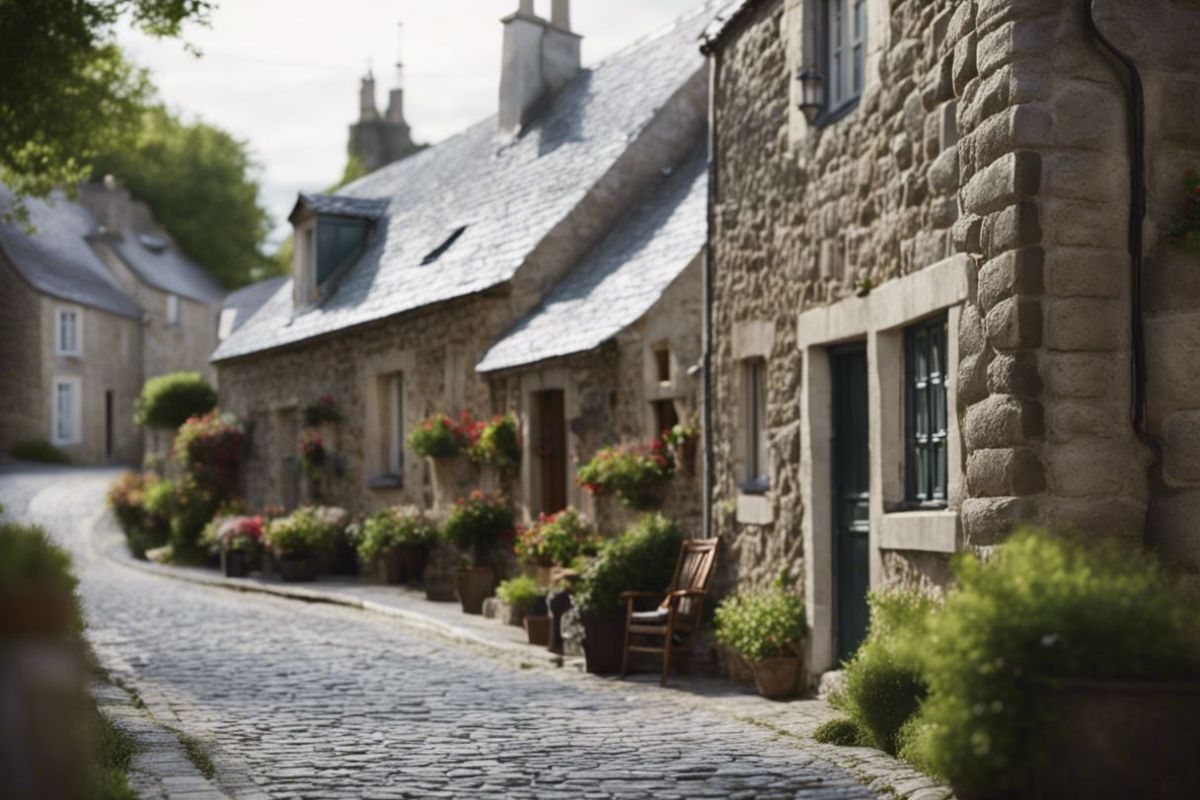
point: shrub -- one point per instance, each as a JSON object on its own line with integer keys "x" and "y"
{"x": 210, "y": 448}
{"x": 520, "y": 593}
{"x": 442, "y": 437}
{"x": 126, "y": 499}
{"x": 306, "y": 531}
{"x": 640, "y": 560}
{"x": 555, "y": 539}
{"x": 1044, "y": 607}
{"x": 636, "y": 475}
{"x": 143, "y": 508}
{"x": 884, "y": 682}
{"x": 168, "y": 401}
{"x": 478, "y": 521}
{"x": 764, "y": 624}
{"x": 39, "y": 451}
{"x": 395, "y": 527}
{"x": 497, "y": 443}
{"x": 192, "y": 508}
{"x": 842, "y": 731}
{"x": 28, "y": 557}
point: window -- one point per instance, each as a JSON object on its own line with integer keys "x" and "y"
{"x": 394, "y": 423}
{"x": 754, "y": 381}
{"x": 846, "y": 39}
{"x": 172, "y": 309}
{"x": 665, "y": 416}
{"x": 68, "y": 333}
{"x": 662, "y": 364}
{"x": 66, "y": 412}
{"x": 925, "y": 346}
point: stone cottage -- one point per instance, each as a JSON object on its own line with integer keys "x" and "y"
{"x": 96, "y": 299}
{"x": 464, "y": 255}
{"x": 945, "y": 297}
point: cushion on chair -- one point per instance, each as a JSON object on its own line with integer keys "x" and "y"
{"x": 656, "y": 617}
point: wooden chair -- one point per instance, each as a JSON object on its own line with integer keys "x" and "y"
{"x": 677, "y": 617}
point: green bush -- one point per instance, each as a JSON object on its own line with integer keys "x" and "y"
{"x": 210, "y": 448}
{"x": 28, "y": 557}
{"x": 842, "y": 731}
{"x": 765, "y": 624}
{"x": 168, "y": 401}
{"x": 440, "y": 437}
{"x": 128, "y": 497}
{"x": 39, "y": 451}
{"x": 395, "y": 527}
{"x": 640, "y": 560}
{"x": 884, "y": 682}
{"x": 521, "y": 592}
{"x": 306, "y": 531}
{"x": 635, "y": 475}
{"x": 1044, "y": 607}
{"x": 192, "y": 508}
{"x": 498, "y": 443}
{"x": 478, "y": 521}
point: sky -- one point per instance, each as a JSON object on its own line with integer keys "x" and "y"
{"x": 283, "y": 75}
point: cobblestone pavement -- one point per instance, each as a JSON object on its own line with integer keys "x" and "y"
{"x": 309, "y": 700}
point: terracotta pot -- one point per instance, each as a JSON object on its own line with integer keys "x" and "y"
{"x": 737, "y": 668}
{"x": 413, "y": 558}
{"x": 537, "y": 630}
{"x": 473, "y": 586}
{"x": 35, "y": 612}
{"x": 235, "y": 563}
{"x": 604, "y": 637}
{"x": 297, "y": 568}
{"x": 777, "y": 678}
{"x": 1121, "y": 739}
{"x": 391, "y": 567}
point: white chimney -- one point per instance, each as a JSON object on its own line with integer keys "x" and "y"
{"x": 540, "y": 58}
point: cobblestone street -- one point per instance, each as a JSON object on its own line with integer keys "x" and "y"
{"x": 311, "y": 700}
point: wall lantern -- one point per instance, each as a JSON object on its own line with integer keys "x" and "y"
{"x": 812, "y": 93}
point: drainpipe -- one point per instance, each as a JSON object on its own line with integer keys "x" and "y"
{"x": 708, "y": 301}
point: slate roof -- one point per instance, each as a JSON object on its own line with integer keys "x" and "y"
{"x": 724, "y": 22}
{"x": 619, "y": 280}
{"x": 56, "y": 258}
{"x": 162, "y": 265}
{"x": 245, "y": 302}
{"x": 507, "y": 193}
{"x": 341, "y": 206}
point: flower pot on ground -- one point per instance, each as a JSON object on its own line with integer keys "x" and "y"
{"x": 298, "y": 567}
{"x": 537, "y": 629}
{"x": 473, "y": 585}
{"x": 476, "y": 524}
{"x": 524, "y": 596}
{"x": 397, "y": 538}
{"x": 636, "y": 475}
{"x": 554, "y": 540}
{"x": 234, "y": 564}
{"x": 604, "y": 636}
{"x": 413, "y": 559}
{"x": 301, "y": 539}
{"x": 768, "y": 629}
{"x": 239, "y": 541}
{"x": 390, "y": 567}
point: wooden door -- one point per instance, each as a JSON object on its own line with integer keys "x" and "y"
{"x": 852, "y": 483}
{"x": 552, "y": 450}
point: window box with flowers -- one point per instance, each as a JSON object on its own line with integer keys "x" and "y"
{"x": 636, "y": 475}
{"x": 476, "y": 524}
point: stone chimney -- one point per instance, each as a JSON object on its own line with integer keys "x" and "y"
{"x": 540, "y": 58}
{"x": 367, "y": 111}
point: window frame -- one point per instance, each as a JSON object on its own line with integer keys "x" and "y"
{"x": 843, "y": 55}
{"x": 60, "y": 346}
{"x": 174, "y": 311}
{"x": 395, "y": 424}
{"x": 74, "y": 417}
{"x": 925, "y": 342}
{"x": 756, "y": 477}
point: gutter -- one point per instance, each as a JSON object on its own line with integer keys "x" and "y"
{"x": 708, "y": 270}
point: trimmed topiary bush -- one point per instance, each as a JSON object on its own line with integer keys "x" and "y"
{"x": 168, "y": 401}
{"x": 39, "y": 451}
{"x": 842, "y": 731}
{"x": 640, "y": 560}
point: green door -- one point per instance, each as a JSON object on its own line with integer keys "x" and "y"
{"x": 851, "y": 487}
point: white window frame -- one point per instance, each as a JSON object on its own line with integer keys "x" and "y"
{"x": 73, "y": 433}
{"x": 304, "y": 262}
{"x": 63, "y": 347}
{"x": 395, "y": 423}
{"x": 173, "y": 310}
{"x": 845, "y": 51}
{"x": 756, "y": 469}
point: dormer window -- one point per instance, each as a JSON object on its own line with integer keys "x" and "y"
{"x": 330, "y": 233}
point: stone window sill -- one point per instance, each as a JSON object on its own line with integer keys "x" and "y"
{"x": 385, "y": 483}
{"x": 923, "y": 531}
{"x": 755, "y": 509}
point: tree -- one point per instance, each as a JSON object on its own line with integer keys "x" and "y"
{"x": 66, "y": 92}
{"x": 202, "y": 186}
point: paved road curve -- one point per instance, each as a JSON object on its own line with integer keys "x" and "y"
{"x": 318, "y": 701}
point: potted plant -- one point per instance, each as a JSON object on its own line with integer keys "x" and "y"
{"x": 524, "y": 597}
{"x": 300, "y": 539}
{"x": 441, "y": 440}
{"x": 496, "y": 448}
{"x": 322, "y": 412}
{"x": 640, "y": 560}
{"x": 37, "y": 590}
{"x": 475, "y": 524}
{"x": 397, "y": 539}
{"x": 238, "y": 540}
{"x": 636, "y": 475}
{"x": 767, "y": 629}
{"x": 683, "y": 439}
{"x": 554, "y": 540}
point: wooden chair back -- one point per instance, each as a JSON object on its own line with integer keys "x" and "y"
{"x": 692, "y": 572}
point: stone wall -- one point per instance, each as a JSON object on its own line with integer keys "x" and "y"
{"x": 21, "y": 412}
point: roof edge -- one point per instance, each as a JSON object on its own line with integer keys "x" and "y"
{"x": 725, "y": 21}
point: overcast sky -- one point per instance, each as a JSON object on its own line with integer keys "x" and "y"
{"x": 284, "y": 74}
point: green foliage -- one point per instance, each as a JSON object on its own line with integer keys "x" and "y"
{"x": 211, "y": 448}
{"x": 884, "y": 682}
{"x": 438, "y": 437}
{"x": 39, "y": 451}
{"x": 202, "y": 186}
{"x": 395, "y": 527}
{"x": 1044, "y": 607}
{"x": 555, "y": 539}
{"x": 28, "y": 557}
{"x": 306, "y": 531}
{"x": 478, "y": 521}
{"x": 636, "y": 475}
{"x": 640, "y": 560}
{"x": 842, "y": 731}
{"x": 68, "y": 93}
{"x": 168, "y": 401}
{"x": 521, "y": 592}
{"x": 764, "y": 624}
{"x": 192, "y": 508}
{"x": 129, "y": 498}
{"x": 113, "y": 757}
{"x": 498, "y": 443}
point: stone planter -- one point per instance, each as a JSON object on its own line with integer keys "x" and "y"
{"x": 297, "y": 568}
{"x": 451, "y": 478}
{"x": 235, "y": 563}
{"x": 603, "y": 639}
{"x": 778, "y": 678}
{"x": 537, "y": 630}
{"x": 1121, "y": 739}
{"x": 391, "y": 567}
{"x": 413, "y": 558}
{"x": 543, "y": 575}
{"x": 473, "y": 586}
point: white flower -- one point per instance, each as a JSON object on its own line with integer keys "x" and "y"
{"x": 1049, "y": 640}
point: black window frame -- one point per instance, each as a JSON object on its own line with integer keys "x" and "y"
{"x": 927, "y": 414}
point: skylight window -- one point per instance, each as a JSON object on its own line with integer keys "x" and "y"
{"x": 441, "y": 249}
